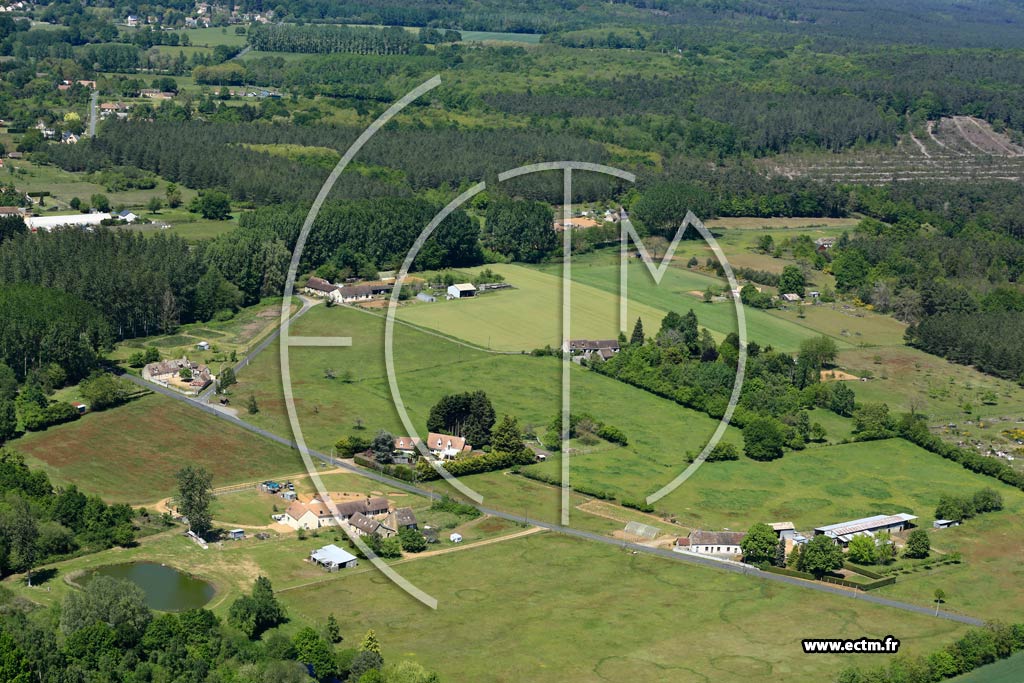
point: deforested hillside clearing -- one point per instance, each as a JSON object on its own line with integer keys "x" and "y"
{"x": 953, "y": 148}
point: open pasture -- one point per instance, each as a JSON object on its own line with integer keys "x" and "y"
{"x": 711, "y": 616}
{"x": 530, "y": 315}
{"x": 130, "y": 454}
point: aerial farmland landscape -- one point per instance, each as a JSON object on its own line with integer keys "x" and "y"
{"x": 480, "y": 341}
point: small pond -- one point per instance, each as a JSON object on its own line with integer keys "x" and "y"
{"x": 167, "y": 589}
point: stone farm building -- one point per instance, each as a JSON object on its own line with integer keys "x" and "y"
{"x": 316, "y": 286}
{"x": 724, "y": 543}
{"x": 843, "y": 532}
{"x": 167, "y": 373}
{"x": 586, "y": 349}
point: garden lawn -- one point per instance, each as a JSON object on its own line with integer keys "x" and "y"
{"x": 130, "y": 454}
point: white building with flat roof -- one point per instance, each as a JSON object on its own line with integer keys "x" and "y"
{"x": 75, "y": 220}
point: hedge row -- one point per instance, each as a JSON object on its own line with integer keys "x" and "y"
{"x": 916, "y": 431}
{"x": 397, "y": 471}
{"x": 831, "y": 579}
{"x": 640, "y": 505}
{"x": 788, "y": 572}
{"x": 487, "y": 462}
{"x": 555, "y": 481}
{"x": 861, "y": 570}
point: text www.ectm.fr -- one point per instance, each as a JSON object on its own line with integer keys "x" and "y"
{"x": 887, "y": 645}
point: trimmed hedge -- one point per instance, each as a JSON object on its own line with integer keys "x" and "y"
{"x": 789, "y": 572}
{"x": 831, "y": 579}
{"x": 397, "y": 471}
{"x": 861, "y": 570}
{"x": 487, "y": 462}
{"x": 593, "y": 493}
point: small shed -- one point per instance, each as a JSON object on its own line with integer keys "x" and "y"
{"x": 461, "y": 291}
{"x": 289, "y": 495}
{"x": 944, "y": 523}
{"x": 236, "y": 534}
{"x": 423, "y": 296}
{"x": 80, "y": 407}
{"x": 455, "y": 538}
{"x": 430, "y": 534}
{"x": 203, "y": 346}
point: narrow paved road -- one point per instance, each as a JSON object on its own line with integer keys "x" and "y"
{"x": 557, "y": 528}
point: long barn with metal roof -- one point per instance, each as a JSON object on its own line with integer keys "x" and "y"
{"x": 843, "y": 532}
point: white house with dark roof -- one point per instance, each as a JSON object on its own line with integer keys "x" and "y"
{"x": 363, "y": 525}
{"x": 589, "y": 346}
{"x": 722, "y": 543}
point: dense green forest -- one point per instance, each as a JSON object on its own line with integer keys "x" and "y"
{"x": 41, "y": 524}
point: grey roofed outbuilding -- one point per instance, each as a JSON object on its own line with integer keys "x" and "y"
{"x": 365, "y": 524}
{"x": 405, "y": 517}
{"x": 844, "y": 531}
{"x": 332, "y": 556}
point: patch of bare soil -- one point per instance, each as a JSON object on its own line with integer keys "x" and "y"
{"x": 837, "y": 376}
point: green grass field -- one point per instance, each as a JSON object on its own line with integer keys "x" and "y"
{"x": 525, "y": 386}
{"x": 988, "y": 582}
{"x": 64, "y": 185}
{"x": 520, "y": 585}
{"x": 528, "y": 316}
{"x": 813, "y": 487}
{"x": 680, "y": 288}
{"x": 1004, "y": 671}
{"x": 130, "y": 454}
{"x": 714, "y": 618}
{"x": 213, "y": 36}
